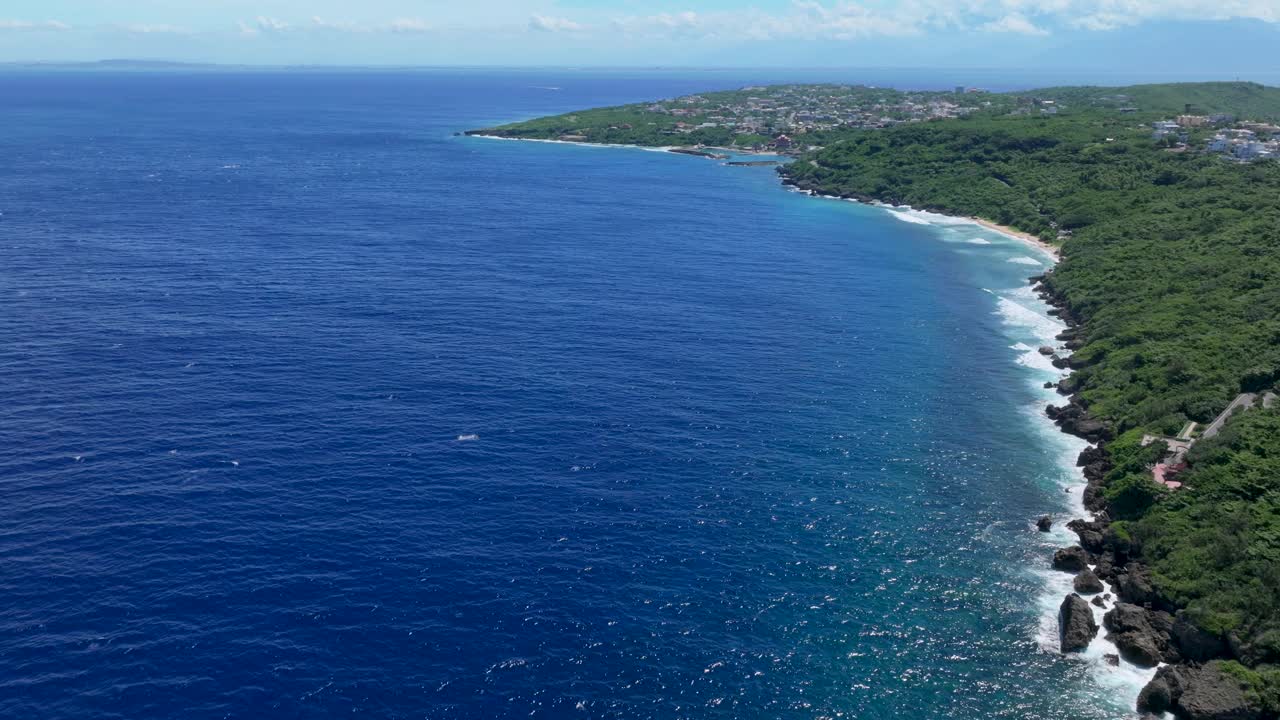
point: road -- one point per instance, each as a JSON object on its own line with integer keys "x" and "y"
{"x": 1243, "y": 400}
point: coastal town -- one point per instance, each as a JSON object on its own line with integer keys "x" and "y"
{"x": 787, "y": 119}
{"x": 810, "y": 108}
{"x": 1230, "y": 139}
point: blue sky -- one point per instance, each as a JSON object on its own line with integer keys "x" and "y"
{"x": 1159, "y": 35}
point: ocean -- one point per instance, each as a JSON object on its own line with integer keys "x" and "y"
{"x": 313, "y": 408}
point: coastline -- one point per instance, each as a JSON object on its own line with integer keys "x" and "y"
{"x": 708, "y": 152}
{"x": 1035, "y": 242}
{"x": 1141, "y": 649}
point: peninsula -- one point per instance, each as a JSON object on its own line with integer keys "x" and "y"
{"x": 1164, "y": 201}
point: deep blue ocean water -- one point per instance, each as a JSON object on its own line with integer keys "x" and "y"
{"x": 739, "y": 453}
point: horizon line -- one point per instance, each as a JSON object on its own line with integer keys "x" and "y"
{"x": 179, "y": 64}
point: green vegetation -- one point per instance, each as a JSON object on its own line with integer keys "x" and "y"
{"x": 751, "y": 117}
{"x": 1172, "y": 268}
{"x": 1172, "y": 263}
{"x": 1261, "y": 684}
{"x": 1130, "y": 493}
{"x": 1249, "y": 100}
{"x": 1214, "y": 547}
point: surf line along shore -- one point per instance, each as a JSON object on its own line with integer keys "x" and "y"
{"x": 1060, "y": 353}
{"x": 708, "y": 152}
{"x": 1124, "y": 660}
{"x": 1111, "y": 657}
{"x": 1147, "y": 639}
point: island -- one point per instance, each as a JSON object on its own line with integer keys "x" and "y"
{"x": 1164, "y": 201}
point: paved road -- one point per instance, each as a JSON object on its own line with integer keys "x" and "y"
{"x": 1243, "y": 400}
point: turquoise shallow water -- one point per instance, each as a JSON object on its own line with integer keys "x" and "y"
{"x": 738, "y": 452}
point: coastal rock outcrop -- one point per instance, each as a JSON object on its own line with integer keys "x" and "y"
{"x": 1141, "y": 635}
{"x": 1156, "y": 697}
{"x": 1072, "y": 559}
{"x": 1076, "y": 626}
{"x": 1197, "y": 693}
{"x": 1134, "y": 586}
{"x": 1106, "y": 569}
{"x": 1088, "y": 583}
{"x": 1137, "y": 648}
{"x": 1044, "y": 524}
{"x": 1194, "y": 643}
{"x": 1090, "y": 534}
{"x": 1091, "y": 455}
{"x": 1075, "y": 420}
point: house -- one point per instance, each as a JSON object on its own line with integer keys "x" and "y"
{"x": 1251, "y": 150}
{"x": 782, "y": 142}
{"x": 1163, "y": 128}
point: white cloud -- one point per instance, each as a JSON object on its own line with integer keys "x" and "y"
{"x": 403, "y": 25}
{"x": 262, "y": 24}
{"x": 1014, "y": 23}
{"x": 849, "y": 20}
{"x": 28, "y": 25}
{"x": 1099, "y": 21}
{"x": 155, "y": 29}
{"x": 543, "y": 23}
{"x": 819, "y": 20}
{"x": 662, "y": 24}
{"x": 409, "y": 25}
{"x": 340, "y": 26}
{"x": 270, "y": 24}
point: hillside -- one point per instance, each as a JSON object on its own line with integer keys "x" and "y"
{"x": 820, "y": 115}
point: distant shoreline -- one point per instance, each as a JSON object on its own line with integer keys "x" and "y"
{"x": 707, "y": 151}
{"x": 1049, "y": 250}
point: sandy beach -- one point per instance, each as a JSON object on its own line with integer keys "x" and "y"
{"x": 1027, "y": 238}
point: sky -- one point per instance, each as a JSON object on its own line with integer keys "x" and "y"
{"x": 1226, "y": 36}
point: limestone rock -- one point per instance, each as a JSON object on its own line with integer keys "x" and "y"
{"x": 1076, "y": 627}
{"x": 1087, "y": 583}
{"x": 1071, "y": 559}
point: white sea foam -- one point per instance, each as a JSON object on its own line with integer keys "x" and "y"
{"x": 471, "y": 437}
{"x": 1024, "y": 261}
{"x": 978, "y": 241}
{"x": 924, "y": 217}
{"x": 907, "y": 217}
{"x": 665, "y": 148}
{"x": 1031, "y": 358}
{"x": 1027, "y": 322}
{"x": 1044, "y": 327}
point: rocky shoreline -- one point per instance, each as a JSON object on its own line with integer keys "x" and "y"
{"x": 1147, "y": 630}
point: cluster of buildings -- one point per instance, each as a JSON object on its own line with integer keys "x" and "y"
{"x": 1243, "y": 142}
{"x": 1025, "y": 105}
{"x": 1252, "y": 141}
{"x": 797, "y": 110}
